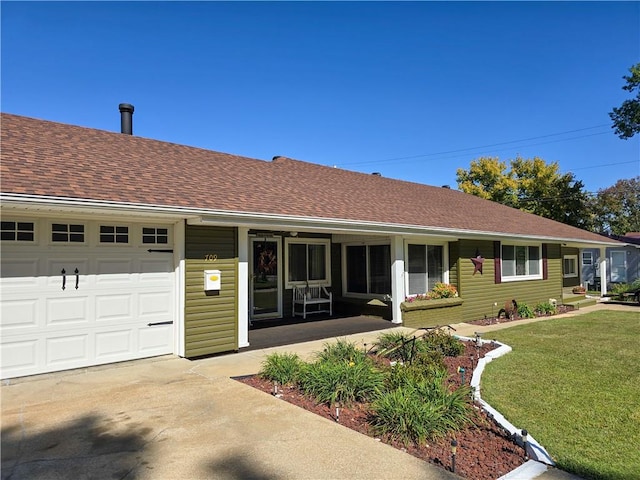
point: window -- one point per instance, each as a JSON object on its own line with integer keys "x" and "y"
{"x": 521, "y": 262}
{"x": 155, "y": 235}
{"x": 17, "y": 231}
{"x": 307, "y": 261}
{"x": 114, "y": 234}
{"x": 425, "y": 267}
{"x": 368, "y": 269}
{"x": 570, "y": 266}
{"x": 67, "y": 233}
{"x": 587, "y": 258}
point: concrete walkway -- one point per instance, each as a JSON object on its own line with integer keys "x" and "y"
{"x": 169, "y": 418}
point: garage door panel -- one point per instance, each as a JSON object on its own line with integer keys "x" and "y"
{"x": 114, "y": 345}
{"x": 114, "y": 307}
{"x": 160, "y": 266}
{"x": 20, "y": 357}
{"x": 19, "y": 315}
{"x": 56, "y": 279}
{"x": 151, "y": 340}
{"x": 155, "y": 305}
{"x": 19, "y": 272}
{"x": 68, "y": 351}
{"x": 68, "y": 311}
{"x": 110, "y": 270}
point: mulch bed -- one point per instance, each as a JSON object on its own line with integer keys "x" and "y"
{"x": 494, "y": 320}
{"x": 485, "y": 451}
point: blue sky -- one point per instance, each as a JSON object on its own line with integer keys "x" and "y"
{"x": 413, "y": 90}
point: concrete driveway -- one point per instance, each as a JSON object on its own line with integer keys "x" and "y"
{"x": 170, "y": 418}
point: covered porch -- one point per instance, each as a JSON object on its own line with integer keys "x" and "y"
{"x": 277, "y": 332}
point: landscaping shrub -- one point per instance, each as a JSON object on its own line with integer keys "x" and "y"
{"x": 417, "y": 412}
{"x": 409, "y": 374}
{"x": 443, "y": 342}
{"x": 524, "y": 311}
{"x": 341, "y": 350}
{"x": 281, "y": 367}
{"x": 546, "y": 308}
{"x": 399, "y": 346}
{"x": 331, "y": 381}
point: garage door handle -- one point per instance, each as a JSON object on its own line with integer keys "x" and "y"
{"x": 77, "y": 277}
{"x": 64, "y": 278}
{"x": 159, "y": 323}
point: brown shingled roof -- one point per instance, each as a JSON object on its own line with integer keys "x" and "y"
{"x": 52, "y": 159}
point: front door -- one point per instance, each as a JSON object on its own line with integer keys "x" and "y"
{"x": 266, "y": 298}
{"x": 619, "y": 266}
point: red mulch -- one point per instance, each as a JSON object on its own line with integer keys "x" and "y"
{"x": 485, "y": 451}
{"x": 493, "y": 320}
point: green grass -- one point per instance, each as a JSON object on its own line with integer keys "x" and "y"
{"x": 574, "y": 384}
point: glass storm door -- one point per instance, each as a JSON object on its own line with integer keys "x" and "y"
{"x": 266, "y": 299}
{"x": 619, "y": 266}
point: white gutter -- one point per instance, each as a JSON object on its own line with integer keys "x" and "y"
{"x": 199, "y": 216}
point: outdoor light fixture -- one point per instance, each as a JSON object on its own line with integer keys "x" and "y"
{"x": 478, "y": 339}
{"x": 525, "y": 440}
{"x": 338, "y": 412}
{"x": 454, "y": 448}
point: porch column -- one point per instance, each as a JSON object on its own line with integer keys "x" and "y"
{"x": 603, "y": 271}
{"x": 397, "y": 278}
{"x": 243, "y": 287}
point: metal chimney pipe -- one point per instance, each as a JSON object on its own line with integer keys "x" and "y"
{"x": 126, "y": 118}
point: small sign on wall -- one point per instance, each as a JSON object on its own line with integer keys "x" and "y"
{"x": 211, "y": 280}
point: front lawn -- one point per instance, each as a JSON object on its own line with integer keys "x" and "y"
{"x": 574, "y": 384}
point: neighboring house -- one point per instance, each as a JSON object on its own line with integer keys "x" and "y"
{"x": 622, "y": 261}
{"x": 116, "y": 247}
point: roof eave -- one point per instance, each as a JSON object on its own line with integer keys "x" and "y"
{"x": 198, "y": 216}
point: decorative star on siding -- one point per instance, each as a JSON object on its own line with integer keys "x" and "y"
{"x": 477, "y": 263}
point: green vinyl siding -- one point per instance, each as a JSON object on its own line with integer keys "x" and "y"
{"x": 480, "y": 291}
{"x": 211, "y": 318}
{"x": 454, "y": 263}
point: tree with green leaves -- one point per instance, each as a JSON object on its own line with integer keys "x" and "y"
{"x": 616, "y": 209}
{"x": 626, "y": 118}
{"x": 532, "y": 185}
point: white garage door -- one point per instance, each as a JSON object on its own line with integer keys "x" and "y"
{"x": 79, "y": 301}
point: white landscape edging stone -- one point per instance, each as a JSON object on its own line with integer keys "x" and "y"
{"x": 535, "y": 451}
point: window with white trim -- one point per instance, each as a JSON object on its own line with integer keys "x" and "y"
{"x": 521, "y": 262}
{"x": 308, "y": 261}
{"x": 587, "y": 258}
{"x": 67, "y": 233}
{"x": 425, "y": 267}
{"x": 570, "y": 266}
{"x": 114, "y": 234}
{"x": 368, "y": 269}
{"x": 17, "y": 231}
{"x": 155, "y": 235}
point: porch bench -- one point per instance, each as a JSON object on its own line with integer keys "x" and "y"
{"x": 312, "y": 295}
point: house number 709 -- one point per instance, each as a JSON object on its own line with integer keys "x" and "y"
{"x": 210, "y": 258}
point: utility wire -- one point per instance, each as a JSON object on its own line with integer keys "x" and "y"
{"x": 488, "y": 146}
